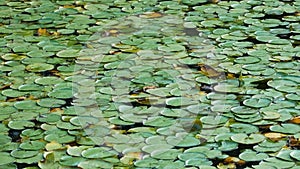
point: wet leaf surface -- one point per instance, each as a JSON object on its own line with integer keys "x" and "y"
{"x": 149, "y": 84}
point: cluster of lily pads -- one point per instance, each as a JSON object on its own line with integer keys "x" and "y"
{"x": 150, "y": 84}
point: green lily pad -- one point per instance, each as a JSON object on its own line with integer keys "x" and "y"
{"x": 186, "y": 141}
{"x": 91, "y": 164}
{"x": 228, "y": 146}
{"x": 71, "y": 161}
{"x": 180, "y": 101}
{"x": 51, "y": 80}
{"x": 20, "y": 124}
{"x": 32, "y": 145}
{"x": 170, "y": 154}
{"x": 243, "y": 128}
{"x": 286, "y": 128}
{"x": 30, "y": 87}
{"x": 49, "y": 102}
{"x": 6, "y": 158}
{"x": 227, "y": 88}
{"x": 247, "y": 60}
{"x": 295, "y": 154}
{"x": 98, "y": 152}
{"x": 283, "y": 85}
{"x": 68, "y": 53}
{"x": 49, "y": 118}
{"x": 13, "y": 93}
{"x": 278, "y": 163}
{"x": 213, "y": 120}
{"x": 26, "y": 105}
{"x": 257, "y": 102}
{"x": 159, "y": 121}
{"x": 23, "y": 154}
{"x": 172, "y": 48}
{"x": 62, "y": 93}
{"x": 60, "y": 138}
{"x": 147, "y": 162}
{"x": 248, "y": 139}
{"x": 249, "y": 155}
{"x": 154, "y": 147}
{"x": 39, "y": 67}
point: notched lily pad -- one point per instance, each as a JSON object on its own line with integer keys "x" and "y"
{"x": 98, "y": 152}
{"x": 248, "y": 139}
{"x": 250, "y": 155}
{"x": 68, "y": 53}
{"x": 180, "y": 101}
{"x": 39, "y": 67}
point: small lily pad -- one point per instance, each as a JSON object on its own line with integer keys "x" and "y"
{"x": 249, "y": 155}
{"x": 32, "y": 145}
{"x": 248, "y": 139}
{"x": 39, "y": 67}
{"x": 180, "y": 101}
{"x": 23, "y": 154}
{"x": 170, "y": 154}
{"x": 51, "y": 102}
{"x": 62, "y": 93}
{"x": 295, "y": 154}
{"x": 6, "y": 158}
{"x": 286, "y": 128}
{"x": 68, "y": 53}
{"x": 20, "y": 124}
{"x": 51, "y": 80}
{"x": 243, "y": 128}
{"x": 26, "y": 105}
{"x": 98, "y": 152}
{"x": 71, "y": 161}
{"x": 186, "y": 141}
{"x": 159, "y": 121}
{"x": 257, "y": 102}
{"x": 92, "y": 164}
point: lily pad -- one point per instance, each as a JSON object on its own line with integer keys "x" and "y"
{"x": 39, "y": 67}
{"x": 159, "y": 121}
{"x": 68, "y": 53}
{"x": 98, "y": 152}
{"x": 257, "y": 102}
{"x": 248, "y": 139}
{"x": 49, "y": 102}
{"x": 6, "y": 158}
{"x": 62, "y": 93}
{"x": 91, "y": 164}
{"x": 295, "y": 154}
{"x": 26, "y": 105}
{"x": 71, "y": 161}
{"x": 23, "y": 154}
{"x": 180, "y": 101}
{"x": 286, "y": 128}
{"x": 249, "y": 155}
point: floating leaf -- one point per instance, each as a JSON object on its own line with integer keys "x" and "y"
{"x": 257, "y": 102}
{"x": 26, "y": 105}
{"x": 6, "y": 158}
{"x": 68, "y": 53}
{"x": 248, "y": 139}
{"x": 98, "y": 152}
{"x": 49, "y": 102}
{"x": 159, "y": 121}
{"x": 295, "y": 154}
{"x": 180, "y": 101}
{"x": 286, "y": 128}
{"x": 71, "y": 161}
{"x": 39, "y": 67}
{"x": 249, "y": 155}
{"x": 23, "y": 154}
